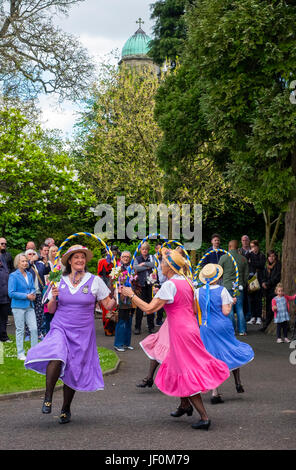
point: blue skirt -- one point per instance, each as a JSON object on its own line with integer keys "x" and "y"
{"x": 220, "y": 341}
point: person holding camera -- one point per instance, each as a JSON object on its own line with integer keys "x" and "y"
{"x": 21, "y": 290}
{"x": 39, "y": 267}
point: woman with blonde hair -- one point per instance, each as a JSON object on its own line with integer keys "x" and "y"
{"x": 188, "y": 369}
{"x": 21, "y": 290}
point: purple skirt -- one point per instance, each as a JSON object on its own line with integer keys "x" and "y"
{"x": 71, "y": 340}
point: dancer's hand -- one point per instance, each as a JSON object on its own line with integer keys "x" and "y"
{"x": 55, "y": 292}
{"x": 127, "y": 291}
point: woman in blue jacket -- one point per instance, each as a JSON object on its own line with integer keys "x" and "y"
{"x": 21, "y": 290}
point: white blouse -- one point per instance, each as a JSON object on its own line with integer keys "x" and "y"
{"x": 168, "y": 289}
{"x": 98, "y": 287}
{"x": 225, "y": 296}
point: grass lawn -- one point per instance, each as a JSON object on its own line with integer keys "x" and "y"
{"x": 15, "y": 378}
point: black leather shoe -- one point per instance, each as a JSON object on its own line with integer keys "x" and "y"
{"x": 145, "y": 383}
{"x": 65, "y": 417}
{"x": 46, "y": 407}
{"x": 216, "y": 400}
{"x": 182, "y": 411}
{"x": 137, "y": 332}
{"x": 239, "y": 388}
{"x": 202, "y": 424}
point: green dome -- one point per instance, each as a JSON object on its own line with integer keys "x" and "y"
{"x": 138, "y": 44}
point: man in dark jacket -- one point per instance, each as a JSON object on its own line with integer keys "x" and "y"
{"x": 5, "y": 256}
{"x": 6, "y": 267}
{"x": 216, "y": 255}
{"x": 4, "y": 301}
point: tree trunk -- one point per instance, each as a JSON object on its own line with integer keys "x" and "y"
{"x": 267, "y": 229}
{"x": 289, "y": 250}
{"x": 289, "y": 256}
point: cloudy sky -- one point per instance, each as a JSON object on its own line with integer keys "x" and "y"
{"x": 102, "y": 26}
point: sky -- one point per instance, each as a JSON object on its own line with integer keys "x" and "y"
{"x": 102, "y": 26}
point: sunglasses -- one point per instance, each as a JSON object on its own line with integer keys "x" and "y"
{"x": 3, "y": 243}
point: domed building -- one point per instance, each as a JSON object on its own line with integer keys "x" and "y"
{"x": 135, "y": 50}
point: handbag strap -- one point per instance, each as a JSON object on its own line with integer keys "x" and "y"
{"x": 37, "y": 274}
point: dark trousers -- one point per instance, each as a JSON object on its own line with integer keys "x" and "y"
{"x": 146, "y": 296}
{"x": 256, "y": 303}
{"x": 159, "y": 316}
{"x": 123, "y": 329}
{"x": 282, "y": 326}
{"x": 4, "y": 311}
{"x": 246, "y": 305}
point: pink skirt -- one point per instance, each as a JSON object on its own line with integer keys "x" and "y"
{"x": 156, "y": 346}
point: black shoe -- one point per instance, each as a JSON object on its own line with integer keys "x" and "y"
{"x": 182, "y": 411}
{"x": 151, "y": 331}
{"x": 137, "y": 332}
{"x": 65, "y": 417}
{"x": 145, "y": 383}
{"x": 202, "y": 424}
{"x": 216, "y": 400}
{"x": 46, "y": 407}
{"x": 239, "y": 388}
{"x": 159, "y": 323}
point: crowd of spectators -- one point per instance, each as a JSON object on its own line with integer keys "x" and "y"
{"x": 23, "y": 282}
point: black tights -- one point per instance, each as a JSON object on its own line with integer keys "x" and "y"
{"x": 152, "y": 368}
{"x": 53, "y": 372}
{"x": 236, "y": 375}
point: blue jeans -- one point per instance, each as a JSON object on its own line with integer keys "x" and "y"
{"x": 24, "y": 316}
{"x": 123, "y": 330}
{"x": 239, "y": 307}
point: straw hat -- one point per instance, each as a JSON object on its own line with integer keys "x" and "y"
{"x": 76, "y": 249}
{"x": 210, "y": 272}
{"x": 175, "y": 261}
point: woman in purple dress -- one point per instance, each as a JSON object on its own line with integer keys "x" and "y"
{"x": 69, "y": 350}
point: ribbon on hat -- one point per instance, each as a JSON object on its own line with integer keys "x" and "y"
{"x": 208, "y": 297}
{"x": 173, "y": 263}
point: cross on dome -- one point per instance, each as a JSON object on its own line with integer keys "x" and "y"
{"x": 140, "y": 22}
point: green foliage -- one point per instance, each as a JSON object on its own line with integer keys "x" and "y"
{"x": 245, "y": 52}
{"x": 169, "y": 30}
{"x": 38, "y": 186}
{"x": 117, "y": 137}
{"x": 14, "y": 377}
{"x": 232, "y": 88}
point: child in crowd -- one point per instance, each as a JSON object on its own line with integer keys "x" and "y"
{"x": 280, "y": 307}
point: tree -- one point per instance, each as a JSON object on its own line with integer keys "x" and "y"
{"x": 115, "y": 151}
{"x": 169, "y": 30}
{"x": 36, "y": 56}
{"x": 242, "y": 55}
{"x": 38, "y": 188}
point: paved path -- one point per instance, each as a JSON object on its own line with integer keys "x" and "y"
{"x": 123, "y": 417}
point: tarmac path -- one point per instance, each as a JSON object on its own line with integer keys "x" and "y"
{"x": 124, "y": 417}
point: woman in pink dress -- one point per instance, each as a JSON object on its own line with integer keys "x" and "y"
{"x": 156, "y": 346}
{"x": 188, "y": 369}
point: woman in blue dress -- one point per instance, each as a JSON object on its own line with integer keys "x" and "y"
{"x": 216, "y": 330}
